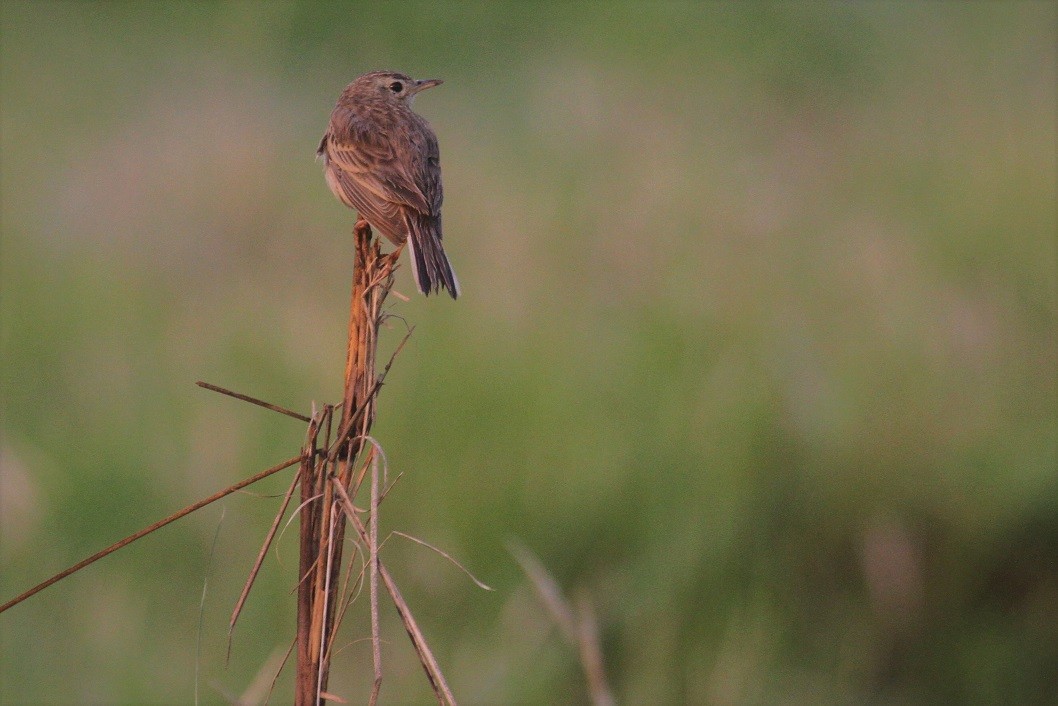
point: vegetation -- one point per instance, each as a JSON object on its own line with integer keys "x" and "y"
{"x": 756, "y": 347}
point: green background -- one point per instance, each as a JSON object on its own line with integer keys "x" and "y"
{"x": 756, "y": 348}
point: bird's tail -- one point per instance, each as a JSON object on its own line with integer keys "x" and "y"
{"x": 429, "y": 264}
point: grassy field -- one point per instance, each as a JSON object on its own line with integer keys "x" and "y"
{"x": 756, "y": 349}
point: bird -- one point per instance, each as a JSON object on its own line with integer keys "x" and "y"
{"x": 382, "y": 159}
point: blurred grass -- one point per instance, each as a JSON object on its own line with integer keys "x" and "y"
{"x": 758, "y": 342}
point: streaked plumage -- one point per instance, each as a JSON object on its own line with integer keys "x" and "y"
{"x": 382, "y": 159}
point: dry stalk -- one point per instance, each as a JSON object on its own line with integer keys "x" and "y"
{"x": 253, "y": 400}
{"x": 328, "y": 481}
{"x": 376, "y": 635}
{"x": 322, "y": 521}
{"x": 147, "y": 530}
{"x": 426, "y": 658}
{"x": 260, "y": 560}
{"x": 579, "y": 627}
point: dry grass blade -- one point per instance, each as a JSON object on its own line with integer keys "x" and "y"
{"x": 462, "y": 568}
{"x": 376, "y": 448}
{"x": 591, "y": 653}
{"x": 309, "y": 450}
{"x": 349, "y": 595}
{"x": 275, "y": 678}
{"x": 147, "y": 530}
{"x": 376, "y": 636}
{"x": 580, "y": 631}
{"x": 429, "y": 662}
{"x": 324, "y": 607}
{"x": 253, "y": 400}
{"x": 305, "y": 677}
{"x": 260, "y": 558}
{"x": 547, "y": 589}
{"x": 426, "y": 658}
{"x": 202, "y": 601}
{"x": 258, "y": 690}
{"x": 390, "y": 486}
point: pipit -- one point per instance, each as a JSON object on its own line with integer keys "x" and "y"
{"x": 381, "y": 158}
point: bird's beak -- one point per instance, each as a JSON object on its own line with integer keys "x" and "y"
{"x": 426, "y": 83}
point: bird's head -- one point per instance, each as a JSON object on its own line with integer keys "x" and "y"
{"x": 392, "y": 85}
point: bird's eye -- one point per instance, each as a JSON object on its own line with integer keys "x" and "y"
{"x": 396, "y": 86}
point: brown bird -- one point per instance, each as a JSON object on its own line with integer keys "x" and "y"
{"x": 382, "y": 159}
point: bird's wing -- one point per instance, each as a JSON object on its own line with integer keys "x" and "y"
{"x": 384, "y": 215}
{"x": 373, "y": 164}
{"x": 428, "y": 172}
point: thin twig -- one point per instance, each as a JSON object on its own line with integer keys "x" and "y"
{"x": 376, "y": 635}
{"x": 385, "y": 492}
{"x": 322, "y": 667}
{"x": 147, "y": 530}
{"x": 376, "y": 450}
{"x": 429, "y": 663}
{"x": 254, "y": 400}
{"x": 260, "y": 558}
{"x": 348, "y": 595}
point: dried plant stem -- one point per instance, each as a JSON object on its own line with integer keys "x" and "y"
{"x": 322, "y": 521}
{"x": 579, "y": 627}
{"x": 426, "y": 658}
{"x": 252, "y": 400}
{"x": 329, "y": 470}
{"x": 376, "y": 635}
{"x": 304, "y": 681}
{"x": 147, "y": 530}
{"x": 260, "y": 559}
